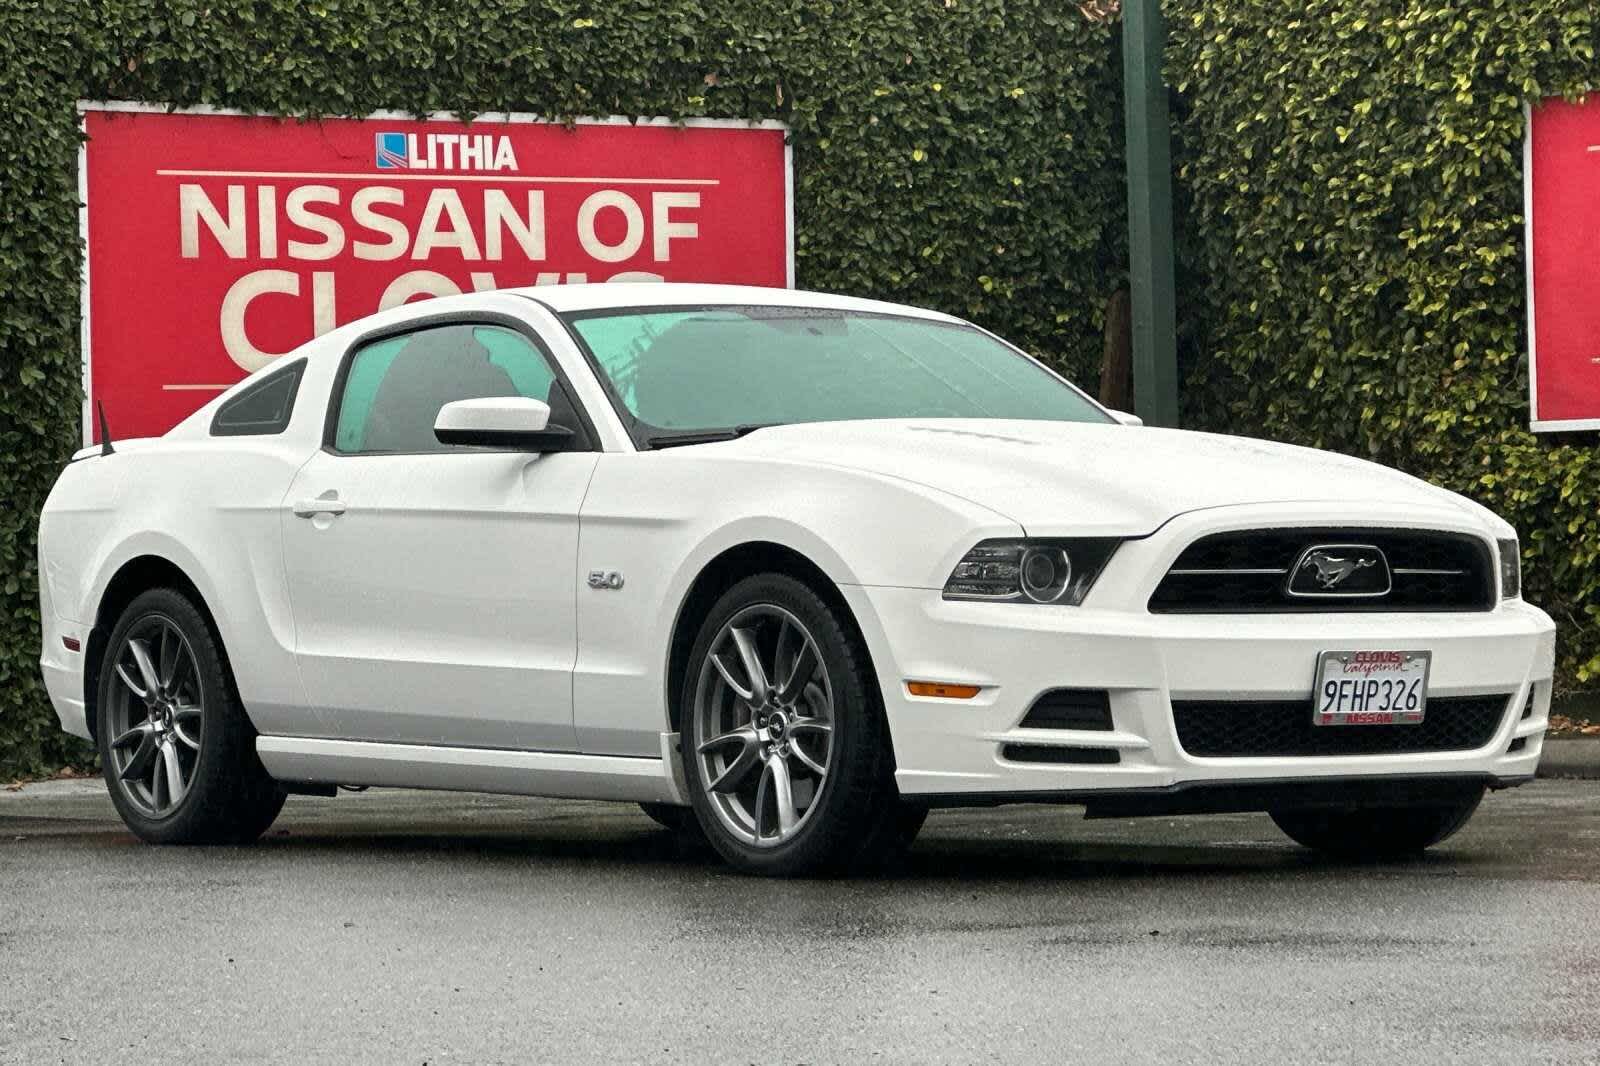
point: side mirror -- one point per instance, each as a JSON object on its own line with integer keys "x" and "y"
{"x": 516, "y": 422}
{"x": 1125, "y": 418}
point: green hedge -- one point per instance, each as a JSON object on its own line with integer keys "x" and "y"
{"x": 959, "y": 153}
{"x": 1353, "y": 174}
{"x": 1350, "y": 201}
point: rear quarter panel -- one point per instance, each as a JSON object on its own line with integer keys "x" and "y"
{"x": 211, "y": 507}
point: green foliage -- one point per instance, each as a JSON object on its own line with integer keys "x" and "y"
{"x": 963, "y": 154}
{"x": 1350, "y": 200}
{"x": 39, "y": 367}
{"x": 1354, "y": 179}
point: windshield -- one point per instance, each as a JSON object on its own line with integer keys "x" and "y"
{"x": 692, "y": 371}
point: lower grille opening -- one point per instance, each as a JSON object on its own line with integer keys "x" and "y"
{"x": 1070, "y": 708}
{"x": 1517, "y": 745}
{"x": 1242, "y": 728}
{"x": 1050, "y": 754}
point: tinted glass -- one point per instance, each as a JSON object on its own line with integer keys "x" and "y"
{"x": 395, "y": 387}
{"x": 711, "y": 368}
{"x": 263, "y": 408}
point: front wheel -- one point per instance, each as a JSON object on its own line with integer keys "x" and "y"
{"x": 1367, "y": 833}
{"x": 177, "y": 750}
{"x": 679, "y": 821}
{"x": 786, "y": 755}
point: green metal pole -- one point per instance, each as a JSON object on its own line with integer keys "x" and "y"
{"x": 1152, "y": 285}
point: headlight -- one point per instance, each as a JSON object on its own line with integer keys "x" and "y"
{"x": 1510, "y": 568}
{"x": 1030, "y": 571}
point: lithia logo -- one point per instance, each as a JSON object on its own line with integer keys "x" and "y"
{"x": 444, "y": 151}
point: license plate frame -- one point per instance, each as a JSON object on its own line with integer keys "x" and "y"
{"x": 1375, "y": 688}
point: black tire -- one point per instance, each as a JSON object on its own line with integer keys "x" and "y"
{"x": 857, "y": 812}
{"x": 228, "y": 797}
{"x": 894, "y": 838}
{"x": 1371, "y": 833}
{"x": 667, "y": 816}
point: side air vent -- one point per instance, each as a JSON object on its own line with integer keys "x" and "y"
{"x": 1070, "y": 708}
{"x": 1046, "y": 753}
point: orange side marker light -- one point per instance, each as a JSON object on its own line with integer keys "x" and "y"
{"x": 942, "y": 690}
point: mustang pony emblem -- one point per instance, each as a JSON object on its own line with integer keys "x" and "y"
{"x": 1331, "y": 569}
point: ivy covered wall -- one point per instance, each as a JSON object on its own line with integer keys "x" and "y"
{"x": 1349, "y": 185}
{"x": 961, "y": 154}
{"x": 1354, "y": 274}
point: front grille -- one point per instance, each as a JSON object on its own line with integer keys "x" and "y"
{"x": 1249, "y": 571}
{"x": 1239, "y": 728}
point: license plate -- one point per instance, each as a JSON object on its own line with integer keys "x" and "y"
{"x": 1371, "y": 688}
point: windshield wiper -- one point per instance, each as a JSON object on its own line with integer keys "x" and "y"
{"x": 704, "y": 436}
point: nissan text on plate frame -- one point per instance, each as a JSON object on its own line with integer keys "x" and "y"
{"x": 786, "y": 569}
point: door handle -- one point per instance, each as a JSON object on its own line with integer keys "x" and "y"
{"x": 327, "y": 503}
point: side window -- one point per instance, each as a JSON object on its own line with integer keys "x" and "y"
{"x": 262, "y": 409}
{"x": 394, "y": 387}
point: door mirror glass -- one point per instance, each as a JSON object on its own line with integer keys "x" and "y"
{"x": 1125, "y": 418}
{"x": 500, "y": 422}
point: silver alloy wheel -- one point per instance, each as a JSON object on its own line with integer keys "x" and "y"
{"x": 764, "y": 705}
{"x": 156, "y": 714}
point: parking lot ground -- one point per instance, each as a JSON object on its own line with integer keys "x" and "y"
{"x": 403, "y": 927}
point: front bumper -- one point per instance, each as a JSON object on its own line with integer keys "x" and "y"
{"x": 950, "y": 750}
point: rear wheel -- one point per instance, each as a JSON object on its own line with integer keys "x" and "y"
{"x": 786, "y": 755}
{"x": 177, "y": 751}
{"x": 1376, "y": 832}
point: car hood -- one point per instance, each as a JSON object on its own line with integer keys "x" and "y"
{"x": 1112, "y": 478}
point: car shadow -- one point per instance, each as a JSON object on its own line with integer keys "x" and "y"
{"x": 953, "y": 857}
{"x": 969, "y": 849}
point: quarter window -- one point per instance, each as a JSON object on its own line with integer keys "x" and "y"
{"x": 395, "y": 387}
{"x": 262, "y": 409}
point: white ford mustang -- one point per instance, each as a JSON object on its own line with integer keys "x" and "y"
{"x": 786, "y": 569}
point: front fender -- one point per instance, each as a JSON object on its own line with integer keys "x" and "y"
{"x": 658, "y": 518}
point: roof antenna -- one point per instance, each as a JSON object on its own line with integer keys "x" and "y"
{"x": 105, "y": 430}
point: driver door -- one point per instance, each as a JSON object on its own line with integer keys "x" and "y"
{"x": 433, "y": 587}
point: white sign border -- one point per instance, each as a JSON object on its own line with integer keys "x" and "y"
{"x": 138, "y": 108}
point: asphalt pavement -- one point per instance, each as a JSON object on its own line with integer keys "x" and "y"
{"x": 396, "y": 927}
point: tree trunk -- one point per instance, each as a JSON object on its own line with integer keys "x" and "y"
{"x": 1116, "y": 364}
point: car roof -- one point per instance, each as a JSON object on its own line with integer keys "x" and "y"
{"x": 601, "y": 296}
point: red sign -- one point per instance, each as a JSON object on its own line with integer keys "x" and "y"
{"x": 219, "y": 241}
{"x": 1563, "y": 210}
